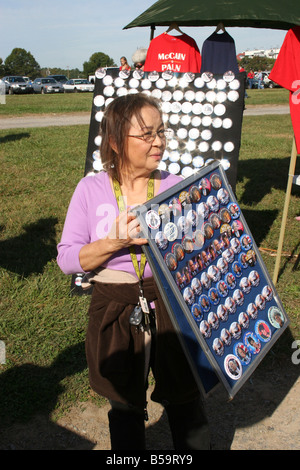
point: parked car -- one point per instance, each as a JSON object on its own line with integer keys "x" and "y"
{"x": 269, "y": 83}
{"x": 59, "y": 78}
{"x": 46, "y": 85}
{"x": 78, "y": 85}
{"x": 16, "y": 84}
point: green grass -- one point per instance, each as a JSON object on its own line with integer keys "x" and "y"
{"x": 42, "y": 325}
{"x": 267, "y": 97}
{"x": 18, "y": 105}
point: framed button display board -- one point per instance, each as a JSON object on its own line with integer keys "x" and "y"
{"x": 213, "y": 280}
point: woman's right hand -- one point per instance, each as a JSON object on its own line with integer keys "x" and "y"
{"x": 124, "y": 233}
{"x": 126, "y": 230}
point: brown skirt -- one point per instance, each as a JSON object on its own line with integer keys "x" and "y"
{"x": 115, "y": 350}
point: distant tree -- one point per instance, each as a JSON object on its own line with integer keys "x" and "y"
{"x": 76, "y": 73}
{"x": 98, "y": 59}
{"x": 21, "y": 62}
{"x": 70, "y": 73}
{"x": 257, "y": 63}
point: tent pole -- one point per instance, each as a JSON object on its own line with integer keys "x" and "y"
{"x": 152, "y": 32}
{"x": 285, "y": 209}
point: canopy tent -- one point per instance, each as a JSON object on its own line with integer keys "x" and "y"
{"x": 273, "y": 14}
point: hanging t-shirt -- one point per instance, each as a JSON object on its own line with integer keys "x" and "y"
{"x": 219, "y": 54}
{"x": 286, "y": 72}
{"x": 176, "y": 53}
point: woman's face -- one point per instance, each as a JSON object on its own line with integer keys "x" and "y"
{"x": 143, "y": 156}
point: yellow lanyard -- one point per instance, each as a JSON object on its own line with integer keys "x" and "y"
{"x": 120, "y": 201}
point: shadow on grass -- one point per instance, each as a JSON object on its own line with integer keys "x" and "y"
{"x": 263, "y": 175}
{"x": 260, "y": 222}
{"x": 15, "y": 137}
{"x": 29, "y": 253}
{"x": 28, "y": 394}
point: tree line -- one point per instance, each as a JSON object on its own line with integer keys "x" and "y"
{"x": 257, "y": 63}
{"x": 22, "y": 62}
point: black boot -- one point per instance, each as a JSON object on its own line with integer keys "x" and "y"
{"x": 127, "y": 427}
{"x": 189, "y": 426}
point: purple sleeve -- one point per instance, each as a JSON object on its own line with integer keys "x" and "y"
{"x": 75, "y": 234}
{"x": 80, "y": 226}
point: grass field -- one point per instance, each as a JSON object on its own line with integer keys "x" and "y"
{"x": 17, "y": 105}
{"x": 42, "y": 325}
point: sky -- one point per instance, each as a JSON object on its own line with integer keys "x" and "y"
{"x": 65, "y": 33}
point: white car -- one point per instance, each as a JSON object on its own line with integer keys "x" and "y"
{"x": 78, "y": 85}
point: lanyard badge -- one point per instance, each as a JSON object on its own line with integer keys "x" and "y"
{"x": 136, "y": 315}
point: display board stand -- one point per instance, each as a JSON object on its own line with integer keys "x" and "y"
{"x": 291, "y": 179}
{"x": 214, "y": 283}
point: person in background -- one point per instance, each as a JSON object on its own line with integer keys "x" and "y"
{"x": 139, "y": 58}
{"x": 102, "y": 238}
{"x": 243, "y": 71}
{"x": 250, "y": 77}
{"x": 259, "y": 78}
{"x": 124, "y": 64}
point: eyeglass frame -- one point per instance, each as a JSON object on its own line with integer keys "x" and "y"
{"x": 152, "y": 137}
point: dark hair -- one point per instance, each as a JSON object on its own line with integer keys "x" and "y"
{"x": 115, "y": 126}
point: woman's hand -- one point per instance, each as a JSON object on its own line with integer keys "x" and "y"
{"x": 124, "y": 233}
{"x": 126, "y": 230}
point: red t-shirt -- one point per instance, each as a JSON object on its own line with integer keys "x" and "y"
{"x": 286, "y": 72}
{"x": 176, "y": 53}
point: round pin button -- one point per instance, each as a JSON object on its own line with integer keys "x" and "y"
{"x": 171, "y": 231}
{"x": 152, "y": 219}
{"x": 233, "y": 367}
{"x": 161, "y": 240}
{"x": 263, "y": 331}
{"x": 171, "y": 262}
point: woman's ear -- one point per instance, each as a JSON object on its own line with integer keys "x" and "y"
{"x": 112, "y": 143}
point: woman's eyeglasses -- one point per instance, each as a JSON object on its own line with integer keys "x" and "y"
{"x": 150, "y": 137}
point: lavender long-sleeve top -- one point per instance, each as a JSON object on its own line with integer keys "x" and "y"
{"x": 91, "y": 213}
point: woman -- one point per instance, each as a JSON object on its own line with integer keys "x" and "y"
{"x": 124, "y": 64}
{"x": 102, "y": 241}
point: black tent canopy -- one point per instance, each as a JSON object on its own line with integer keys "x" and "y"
{"x": 273, "y": 14}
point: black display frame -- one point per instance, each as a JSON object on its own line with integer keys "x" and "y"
{"x": 182, "y": 84}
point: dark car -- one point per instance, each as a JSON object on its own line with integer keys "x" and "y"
{"x": 14, "y": 84}
{"x": 47, "y": 85}
{"x": 59, "y": 78}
